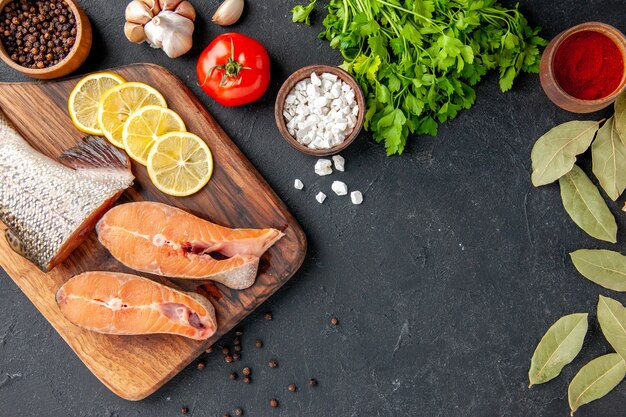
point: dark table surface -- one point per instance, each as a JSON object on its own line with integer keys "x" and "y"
{"x": 443, "y": 281}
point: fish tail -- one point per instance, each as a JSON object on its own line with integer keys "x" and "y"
{"x": 94, "y": 153}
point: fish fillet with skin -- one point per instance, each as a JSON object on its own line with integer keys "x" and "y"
{"x": 50, "y": 207}
{"x": 164, "y": 240}
{"x": 123, "y": 304}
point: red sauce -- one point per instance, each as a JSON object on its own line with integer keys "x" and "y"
{"x": 588, "y": 65}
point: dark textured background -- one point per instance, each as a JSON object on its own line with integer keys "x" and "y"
{"x": 443, "y": 280}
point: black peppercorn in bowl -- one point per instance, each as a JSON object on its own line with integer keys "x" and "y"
{"x": 44, "y": 39}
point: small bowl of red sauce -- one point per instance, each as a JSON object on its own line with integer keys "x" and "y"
{"x": 583, "y": 69}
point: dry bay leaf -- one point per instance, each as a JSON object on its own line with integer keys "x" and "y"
{"x": 586, "y": 207}
{"x": 595, "y": 380}
{"x": 620, "y": 115}
{"x": 558, "y": 347}
{"x": 604, "y": 267}
{"x": 612, "y": 319}
{"x": 554, "y": 153}
{"x": 609, "y": 159}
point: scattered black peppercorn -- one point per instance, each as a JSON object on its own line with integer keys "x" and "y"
{"x": 239, "y": 411}
{"x": 273, "y": 403}
{"x": 184, "y": 410}
{"x": 232, "y": 376}
{"x": 225, "y": 351}
{"x": 236, "y": 341}
{"x": 292, "y": 387}
{"x": 334, "y": 321}
{"x": 313, "y": 382}
{"x": 237, "y": 348}
{"x": 258, "y": 343}
{"x": 209, "y": 350}
{"x": 201, "y": 365}
{"x": 33, "y": 36}
{"x": 236, "y": 356}
{"x": 246, "y": 371}
{"x": 247, "y": 379}
{"x": 273, "y": 363}
{"x": 239, "y": 332}
{"x": 226, "y": 415}
{"x": 268, "y": 316}
{"x": 228, "y": 359}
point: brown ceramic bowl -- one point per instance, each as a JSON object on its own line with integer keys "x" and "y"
{"x": 291, "y": 82}
{"x": 72, "y": 61}
{"x": 551, "y": 86}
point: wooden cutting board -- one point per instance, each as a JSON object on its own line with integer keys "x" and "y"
{"x": 134, "y": 367}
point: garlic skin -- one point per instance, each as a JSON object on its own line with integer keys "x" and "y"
{"x": 138, "y": 12}
{"x": 165, "y": 24}
{"x": 170, "y": 32}
{"x": 228, "y": 13}
{"x": 134, "y": 32}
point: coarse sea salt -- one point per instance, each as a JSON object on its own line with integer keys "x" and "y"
{"x": 323, "y": 167}
{"x": 320, "y": 197}
{"x": 339, "y": 187}
{"x": 356, "y": 197}
{"x": 298, "y": 185}
{"x": 339, "y": 162}
{"x": 321, "y": 111}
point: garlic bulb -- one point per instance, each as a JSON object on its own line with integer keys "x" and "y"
{"x": 170, "y": 32}
{"x": 228, "y": 13}
{"x": 165, "y": 24}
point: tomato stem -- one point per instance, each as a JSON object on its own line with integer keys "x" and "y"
{"x": 231, "y": 68}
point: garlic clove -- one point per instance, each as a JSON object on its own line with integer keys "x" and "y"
{"x": 153, "y": 5}
{"x": 186, "y": 9}
{"x": 134, "y": 32}
{"x": 229, "y": 12}
{"x": 169, "y": 4}
{"x": 138, "y": 12}
{"x": 170, "y": 32}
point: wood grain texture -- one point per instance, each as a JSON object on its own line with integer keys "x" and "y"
{"x": 133, "y": 367}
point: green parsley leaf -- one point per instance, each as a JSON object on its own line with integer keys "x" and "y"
{"x": 302, "y": 13}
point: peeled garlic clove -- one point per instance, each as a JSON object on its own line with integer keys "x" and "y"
{"x": 228, "y": 13}
{"x": 134, "y": 32}
{"x": 169, "y": 4}
{"x": 138, "y": 12}
{"x": 170, "y": 32}
{"x": 186, "y": 9}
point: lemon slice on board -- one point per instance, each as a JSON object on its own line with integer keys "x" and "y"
{"x": 180, "y": 164}
{"x": 145, "y": 126}
{"x": 85, "y": 98}
{"x": 119, "y": 102}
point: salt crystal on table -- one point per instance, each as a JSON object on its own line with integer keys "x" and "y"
{"x": 356, "y": 197}
{"x": 298, "y": 185}
{"x": 339, "y": 162}
{"x": 323, "y": 167}
{"x": 339, "y": 187}
{"x": 320, "y": 197}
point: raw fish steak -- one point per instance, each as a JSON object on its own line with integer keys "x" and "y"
{"x": 163, "y": 240}
{"x": 123, "y": 304}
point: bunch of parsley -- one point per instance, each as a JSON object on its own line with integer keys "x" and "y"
{"x": 417, "y": 60}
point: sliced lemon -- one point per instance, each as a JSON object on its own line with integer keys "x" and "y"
{"x": 180, "y": 164}
{"x": 85, "y": 98}
{"x": 119, "y": 102}
{"x": 145, "y": 126}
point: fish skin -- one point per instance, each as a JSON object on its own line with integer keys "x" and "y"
{"x": 50, "y": 207}
{"x": 163, "y": 240}
{"x": 125, "y": 304}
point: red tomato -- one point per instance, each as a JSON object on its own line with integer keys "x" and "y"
{"x": 234, "y": 69}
